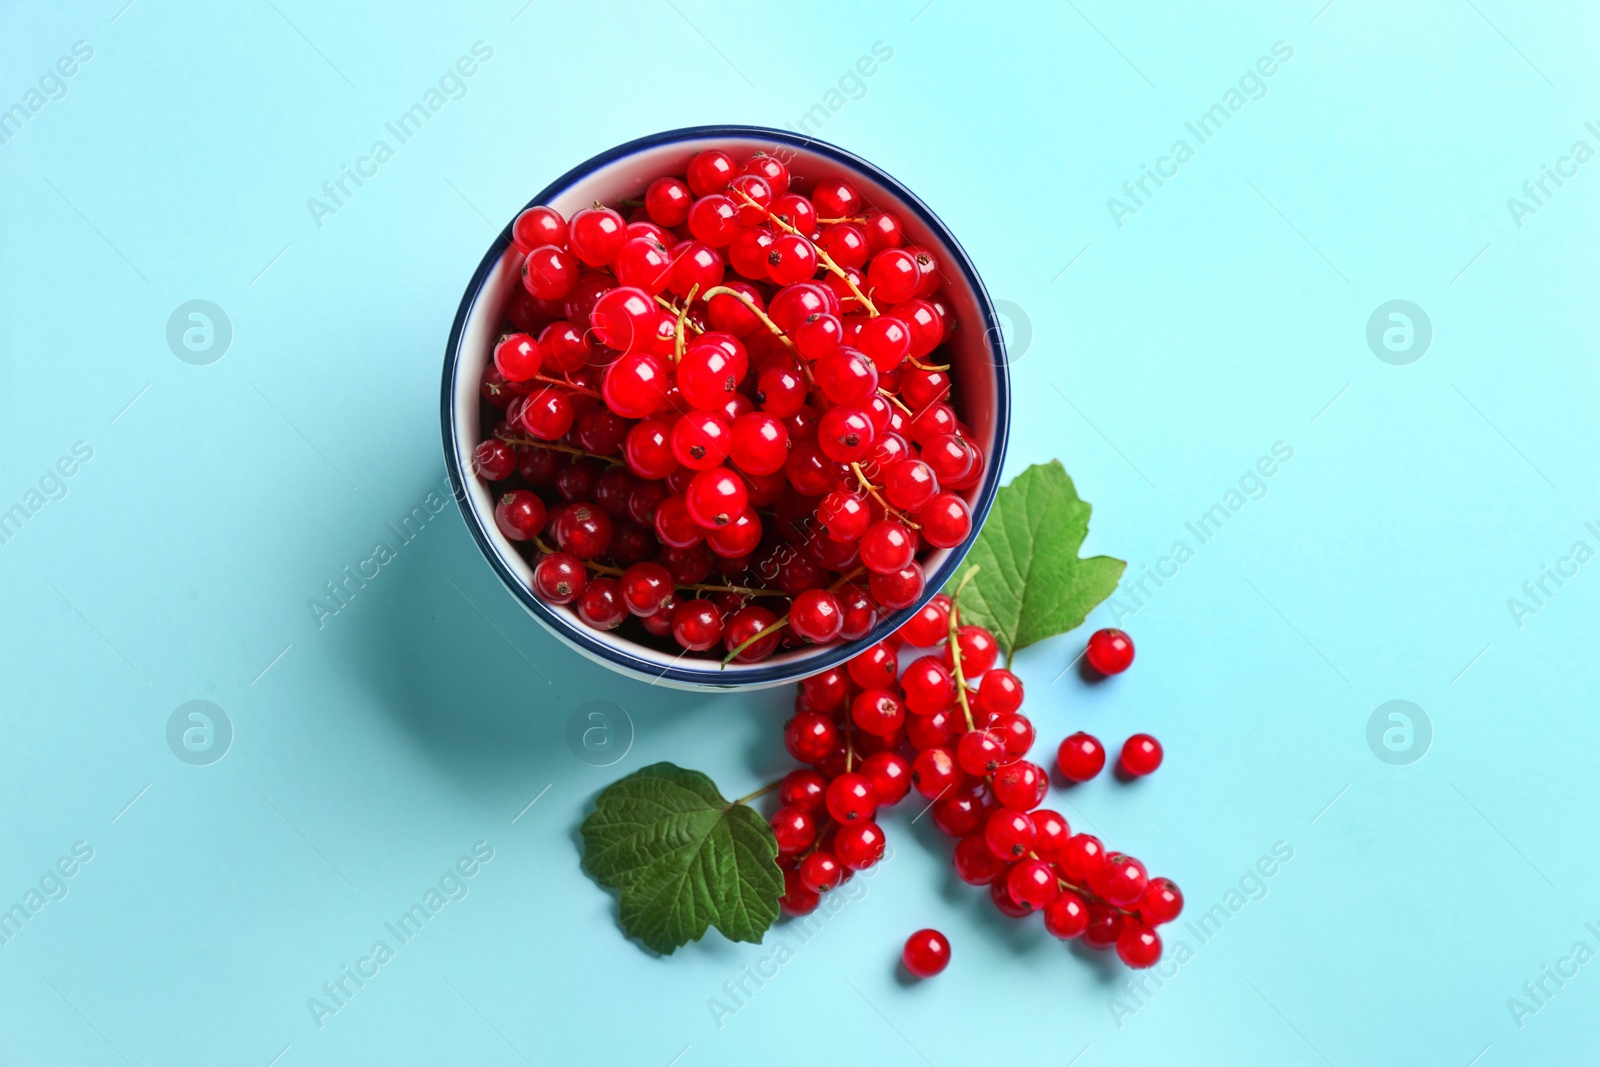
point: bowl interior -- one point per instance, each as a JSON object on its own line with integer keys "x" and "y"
{"x": 975, "y": 352}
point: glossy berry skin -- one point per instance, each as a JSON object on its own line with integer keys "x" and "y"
{"x": 560, "y": 578}
{"x": 494, "y": 460}
{"x": 810, "y": 737}
{"x": 1162, "y": 902}
{"x": 1017, "y": 730}
{"x": 715, "y": 497}
{"x": 1109, "y": 651}
{"x": 890, "y": 775}
{"x": 877, "y": 711}
{"x": 927, "y": 952}
{"x": 1020, "y": 785}
{"x": 1081, "y": 859}
{"x": 794, "y": 828}
{"x": 828, "y": 691}
{"x": 1104, "y": 927}
{"x": 1141, "y": 755}
{"x": 930, "y": 625}
{"x": 1000, "y": 694}
{"x": 978, "y": 649}
{"x": 981, "y": 752}
{"x": 1121, "y": 880}
{"x": 928, "y": 686}
{"x": 887, "y": 547}
{"x": 1032, "y": 884}
{"x": 1001, "y": 897}
{"x": 517, "y": 357}
{"x": 596, "y": 235}
{"x": 600, "y": 605}
{"x": 934, "y": 771}
{"x": 859, "y": 845}
{"x": 646, "y": 588}
{"x": 519, "y": 515}
{"x": 804, "y": 789}
{"x": 946, "y": 521}
{"x": 816, "y": 615}
{"x": 1051, "y": 834}
{"x": 538, "y": 226}
{"x": 1009, "y": 834}
{"x": 821, "y": 871}
{"x": 975, "y": 864}
{"x": 1081, "y": 757}
{"x": 851, "y": 798}
{"x": 1067, "y": 916}
{"x": 697, "y": 625}
{"x": 742, "y": 627}
{"x": 667, "y": 202}
{"x": 1137, "y": 945}
{"x": 963, "y": 810}
{"x": 874, "y": 668}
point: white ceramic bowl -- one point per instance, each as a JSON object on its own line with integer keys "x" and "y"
{"x": 976, "y": 351}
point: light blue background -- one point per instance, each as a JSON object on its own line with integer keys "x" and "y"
{"x": 1167, "y": 355}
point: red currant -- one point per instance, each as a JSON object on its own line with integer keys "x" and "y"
{"x": 1067, "y": 916}
{"x": 1110, "y": 651}
{"x": 1162, "y": 901}
{"x": 859, "y": 845}
{"x": 1080, "y": 757}
{"x": 927, "y": 952}
{"x": 1138, "y": 945}
{"x": 1141, "y": 755}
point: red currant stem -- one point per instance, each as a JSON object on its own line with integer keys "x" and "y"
{"x": 683, "y": 317}
{"x": 816, "y": 842}
{"x": 568, "y": 449}
{"x": 631, "y": 203}
{"x": 680, "y": 312}
{"x": 955, "y": 645}
{"x": 847, "y": 218}
{"x": 822, "y": 253}
{"x": 845, "y": 579}
{"x": 873, "y": 490}
{"x": 849, "y": 746}
{"x": 1084, "y": 891}
{"x": 777, "y": 331}
{"x": 927, "y": 366}
{"x": 758, "y": 635}
{"x": 896, "y": 401}
{"x": 574, "y": 386}
{"x": 758, "y": 794}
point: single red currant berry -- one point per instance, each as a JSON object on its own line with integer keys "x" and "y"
{"x": 1020, "y": 785}
{"x": 1051, "y": 834}
{"x": 931, "y": 731}
{"x": 930, "y": 625}
{"x": 827, "y": 691}
{"x": 549, "y": 273}
{"x": 758, "y": 443}
{"x": 1162, "y": 902}
{"x": 836, "y": 199}
{"x": 1032, "y": 884}
{"x": 1080, "y": 757}
{"x": 741, "y": 637}
{"x": 583, "y": 530}
{"x": 696, "y": 268}
{"x": 928, "y": 686}
{"x": 845, "y": 243}
{"x": 794, "y": 828}
{"x": 560, "y": 578}
{"x": 714, "y": 221}
{"x": 890, "y": 774}
{"x": 667, "y": 202}
{"x": 963, "y": 811}
{"x": 624, "y": 317}
{"x": 819, "y": 337}
{"x": 804, "y": 789}
{"x": 1010, "y": 834}
{"x": 710, "y": 171}
{"x": 883, "y": 231}
{"x": 859, "y": 845}
{"x": 700, "y": 440}
{"x": 851, "y": 798}
{"x": 975, "y": 864}
{"x": 927, "y": 952}
{"x": 887, "y": 546}
{"x": 1110, "y": 651}
{"x": 675, "y": 527}
{"x": 797, "y": 898}
{"x": 646, "y": 588}
{"x": 1104, "y": 927}
{"x": 1141, "y": 755}
{"x": 538, "y": 226}
{"x": 946, "y": 521}
{"x": 810, "y": 737}
{"x": 595, "y": 235}
{"x": 715, "y": 497}
{"x": 816, "y": 615}
{"x": 844, "y": 516}
{"x": 981, "y": 752}
{"x": 1138, "y": 945}
{"x": 648, "y": 449}
{"x": 635, "y": 386}
{"x": 494, "y": 460}
{"x": 1000, "y": 694}
{"x": 749, "y": 251}
{"x": 600, "y": 604}
{"x": 520, "y": 515}
{"x": 877, "y": 711}
{"x": 893, "y": 276}
{"x": 517, "y": 357}
{"x": 1067, "y": 916}
{"x": 847, "y": 377}
{"x": 978, "y": 650}
{"x": 874, "y": 668}
{"x": 909, "y": 484}
{"x": 697, "y": 626}
{"x": 1016, "y": 729}
{"x": 821, "y": 871}
{"x": 899, "y": 589}
{"x": 1081, "y": 858}
{"x": 934, "y": 771}
{"x": 845, "y": 434}
{"x": 886, "y": 341}
{"x": 792, "y": 259}
{"x": 1121, "y": 880}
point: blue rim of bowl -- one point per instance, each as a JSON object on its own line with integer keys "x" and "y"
{"x": 711, "y": 674}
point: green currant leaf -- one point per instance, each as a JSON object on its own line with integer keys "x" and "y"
{"x": 682, "y": 858}
{"x": 1031, "y": 584}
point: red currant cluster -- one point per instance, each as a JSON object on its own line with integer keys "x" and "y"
{"x": 950, "y": 725}
{"x": 751, "y": 462}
